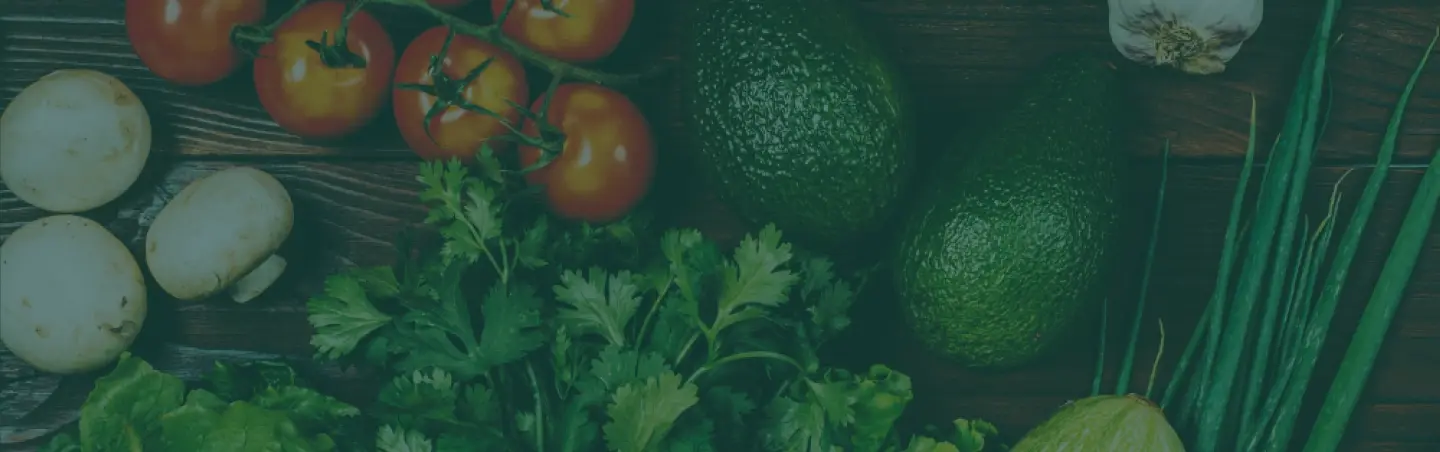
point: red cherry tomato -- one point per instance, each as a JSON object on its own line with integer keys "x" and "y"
{"x": 608, "y": 158}
{"x": 592, "y": 31}
{"x": 456, "y": 132}
{"x": 313, "y": 100}
{"x": 187, "y": 42}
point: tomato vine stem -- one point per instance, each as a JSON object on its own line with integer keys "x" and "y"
{"x": 248, "y": 37}
{"x": 491, "y": 34}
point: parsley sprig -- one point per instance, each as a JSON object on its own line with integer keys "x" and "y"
{"x": 516, "y": 334}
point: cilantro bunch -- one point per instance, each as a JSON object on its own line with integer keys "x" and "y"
{"x": 514, "y": 334}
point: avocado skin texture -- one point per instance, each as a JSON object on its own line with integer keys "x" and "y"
{"x": 796, "y": 116}
{"x": 1002, "y": 257}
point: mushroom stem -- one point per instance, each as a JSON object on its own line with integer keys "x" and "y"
{"x": 254, "y": 283}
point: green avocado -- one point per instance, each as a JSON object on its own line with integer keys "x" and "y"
{"x": 796, "y": 116}
{"x": 1006, "y": 252}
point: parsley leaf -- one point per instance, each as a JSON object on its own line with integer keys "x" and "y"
{"x": 419, "y": 398}
{"x": 466, "y": 212}
{"x": 440, "y": 334}
{"x": 512, "y": 324}
{"x": 616, "y": 367}
{"x": 641, "y": 414}
{"x": 598, "y": 304}
{"x": 755, "y": 279}
{"x": 826, "y": 298}
{"x": 479, "y": 405}
{"x": 343, "y": 315}
{"x": 396, "y": 439}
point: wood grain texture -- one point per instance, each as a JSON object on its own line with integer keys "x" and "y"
{"x": 962, "y": 57}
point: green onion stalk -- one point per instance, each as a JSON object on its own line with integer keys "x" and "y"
{"x": 1242, "y": 377}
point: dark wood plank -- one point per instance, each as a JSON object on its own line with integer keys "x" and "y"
{"x": 961, "y": 57}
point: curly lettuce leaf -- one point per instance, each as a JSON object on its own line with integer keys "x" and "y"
{"x": 206, "y": 424}
{"x": 310, "y": 409}
{"x": 122, "y": 413}
{"x": 62, "y": 442}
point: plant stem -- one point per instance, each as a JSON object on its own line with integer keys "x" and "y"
{"x": 1155, "y": 367}
{"x": 686, "y": 349}
{"x": 654, "y": 308}
{"x": 1379, "y": 313}
{"x": 539, "y": 408}
{"x": 1319, "y": 323}
{"x": 1274, "y": 210}
{"x": 1233, "y": 235}
{"x": 492, "y": 34}
{"x": 1100, "y": 355}
{"x": 1359, "y": 359}
{"x": 744, "y": 356}
{"x": 1181, "y": 369}
{"x": 1128, "y": 362}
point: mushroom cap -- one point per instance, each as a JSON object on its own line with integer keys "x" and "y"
{"x": 216, "y": 230}
{"x": 73, "y": 140}
{"x": 73, "y": 297}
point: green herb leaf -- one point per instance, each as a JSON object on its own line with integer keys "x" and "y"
{"x": 396, "y": 439}
{"x": 598, "y": 304}
{"x": 420, "y": 398}
{"x": 827, "y": 299}
{"x": 480, "y": 405}
{"x": 754, "y": 279}
{"x": 691, "y": 437}
{"x": 641, "y": 415}
{"x": 343, "y": 315}
{"x": 617, "y": 367}
{"x": 512, "y": 324}
{"x": 796, "y": 425}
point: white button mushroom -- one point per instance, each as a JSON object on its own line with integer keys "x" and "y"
{"x": 73, "y": 296}
{"x": 73, "y": 140}
{"x": 221, "y": 232}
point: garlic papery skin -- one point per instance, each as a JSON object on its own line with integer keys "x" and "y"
{"x": 1196, "y": 36}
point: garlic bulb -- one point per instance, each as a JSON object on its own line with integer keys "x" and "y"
{"x": 1196, "y": 36}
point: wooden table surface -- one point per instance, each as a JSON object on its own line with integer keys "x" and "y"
{"x": 961, "y": 57}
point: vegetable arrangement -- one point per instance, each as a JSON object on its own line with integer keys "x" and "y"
{"x": 552, "y": 316}
{"x": 501, "y": 338}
